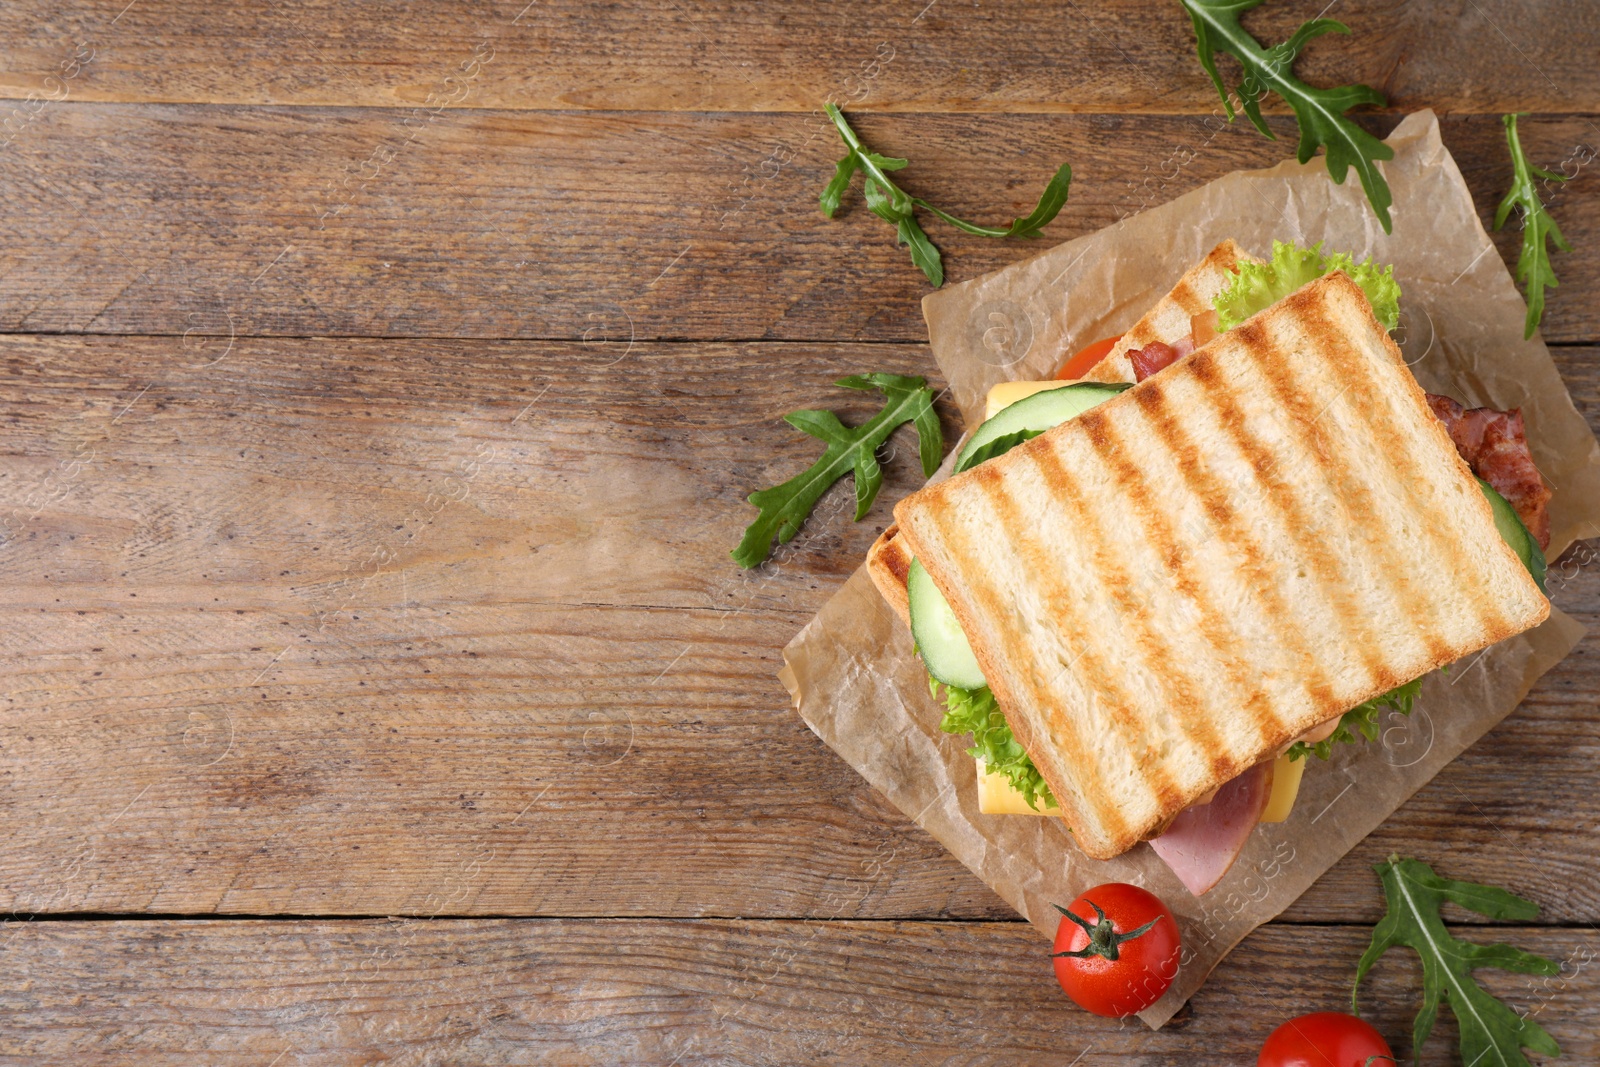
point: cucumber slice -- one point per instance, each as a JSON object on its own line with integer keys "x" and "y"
{"x": 937, "y": 632}
{"x": 1515, "y": 534}
{"x": 1032, "y": 416}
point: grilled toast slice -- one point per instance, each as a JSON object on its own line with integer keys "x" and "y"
{"x": 1165, "y": 589}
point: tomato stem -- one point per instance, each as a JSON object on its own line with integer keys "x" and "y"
{"x": 1103, "y": 935}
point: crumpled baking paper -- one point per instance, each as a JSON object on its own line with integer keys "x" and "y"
{"x": 853, "y": 676}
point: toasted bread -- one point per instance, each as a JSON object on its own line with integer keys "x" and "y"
{"x": 1169, "y": 321}
{"x": 1167, "y": 588}
{"x": 888, "y": 564}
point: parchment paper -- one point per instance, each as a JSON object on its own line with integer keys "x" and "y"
{"x": 855, "y": 681}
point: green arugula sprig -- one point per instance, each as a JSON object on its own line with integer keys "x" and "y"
{"x": 898, "y": 208}
{"x": 1320, "y": 112}
{"x": 1415, "y": 895}
{"x": 850, "y": 450}
{"x": 976, "y": 712}
{"x": 1361, "y": 720}
{"x": 1533, "y": 265}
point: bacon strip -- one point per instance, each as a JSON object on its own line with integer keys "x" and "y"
{"x": 1155, "y": 356}
{"x": 1495, "y": 445}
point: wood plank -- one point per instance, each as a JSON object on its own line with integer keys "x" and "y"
{"x": 687, "y": 993}
{"x": 155, "y": 219}
{"x": 311, "y": 545}
{"x": 446, "y": 760}
{"x": 739, "y": 55}
{"x": 506, "y": 472}
{"x": 421, "y": 627}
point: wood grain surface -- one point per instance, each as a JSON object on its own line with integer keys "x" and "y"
{"x": 687, "y": 55}
{"x": 615, "y": 226}
{"x": 379, "y": 393}
{"x": 660, "y": 993}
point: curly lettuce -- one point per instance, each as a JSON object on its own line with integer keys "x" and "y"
{"x": 1361, "y": 720}
{"x": 975, "y": 712}
{"x": 1258, "y": 286}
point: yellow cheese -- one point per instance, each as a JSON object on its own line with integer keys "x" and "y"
{"x": 1286, "y": 774}
{"x": 996, "y": 796}
{"x": 1007, "y": 393}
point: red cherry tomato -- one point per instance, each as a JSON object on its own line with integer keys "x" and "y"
{"x": 1116, "y": 950}
{"x": 1086, "y": 358}
{"x": 1326, "y": 1039}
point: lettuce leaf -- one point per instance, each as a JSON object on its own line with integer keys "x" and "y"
{"x": 1361, "y": 720}
{"x": 1258, "y": 286}
{"x": 975, "y": 712}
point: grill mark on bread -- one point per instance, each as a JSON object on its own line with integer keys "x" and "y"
{"x": 1184, "y": 296}
{"x": 895, "y": 557}
{"x": 1257, "y": 350}
{"x": 1094, "y": 815}
{"x": 1386, "y": 432}
{"x": 1217, "y": 496}
{"x": 1163, "y": 426}
{"x": 1389, "y": 439}
{"x": 1126, "y": 713}
{"x": 1161, "y": 656}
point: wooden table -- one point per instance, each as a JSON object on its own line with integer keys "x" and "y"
{"x": 381, "y": 391}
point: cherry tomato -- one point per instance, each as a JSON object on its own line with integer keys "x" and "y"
{"x": 1079, "y": 365}
{"x": 1117, "y": 949}
{"x": 1326, "y": 1039}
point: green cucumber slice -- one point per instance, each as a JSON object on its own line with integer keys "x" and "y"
{"x": 1032, "y": 416}
{"x": 937, "y": 632}
{"x": 1515, "y": 534}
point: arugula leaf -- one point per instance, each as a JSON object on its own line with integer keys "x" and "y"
{"x": 1257, "y": 286}
{"x": 1533, "y": 265}
{"x": 889, "y": 202}
{"x": 1415, "y": 895}
{"x": 1360, "y": 720}
{"x": 850, "y": 449}
{"x": 1319, "y": 112}
{"x": 975, "y": 712}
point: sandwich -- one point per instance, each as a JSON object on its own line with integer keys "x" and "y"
{"x": 1151, "y": 593}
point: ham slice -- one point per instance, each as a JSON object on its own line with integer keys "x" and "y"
{"x": 1205, "y": 839}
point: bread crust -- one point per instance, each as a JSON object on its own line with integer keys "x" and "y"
{"x": 888, "y": 565}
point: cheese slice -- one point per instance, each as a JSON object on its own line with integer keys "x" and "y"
{"x": 1007, "y": 393}
{"x": 996, "y": 796}
{"x": 1286, "y": 774}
